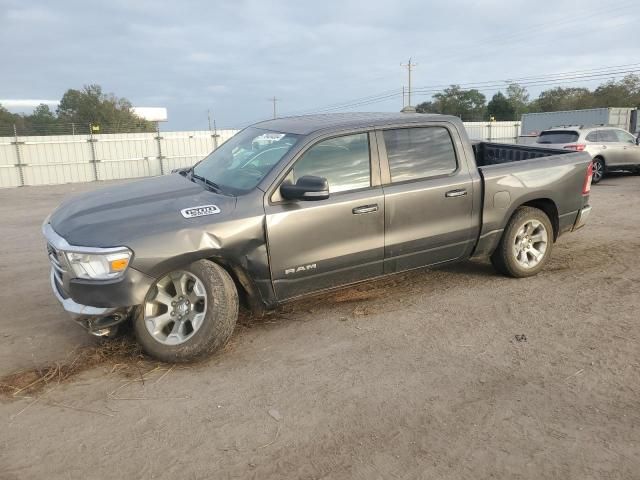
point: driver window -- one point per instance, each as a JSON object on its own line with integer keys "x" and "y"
{"x": 625, "y": 137}
{"x": 343, "y": 161}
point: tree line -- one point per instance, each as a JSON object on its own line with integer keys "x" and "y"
{"x": 79, "y": 111}
{"x": 471, "y": 105}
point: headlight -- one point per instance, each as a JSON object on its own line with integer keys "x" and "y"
{"x": 99, "y": 266}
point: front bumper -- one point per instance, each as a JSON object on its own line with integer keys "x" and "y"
{"x": 97, "y": 320}
{"x": 96, "y": 305}
{"x": 582, "y": 217}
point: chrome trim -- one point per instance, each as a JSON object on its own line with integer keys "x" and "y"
{"x": 365, "y": 209}
{"x": 582, "y": 217}
{"x": 61, "y": 244}
{"x": 456, "y": 193}
{"x": 77, "y": 310}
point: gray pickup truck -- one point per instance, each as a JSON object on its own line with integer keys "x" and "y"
{"x": 299, "y": 205}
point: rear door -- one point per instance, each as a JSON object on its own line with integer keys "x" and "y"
{"x": 428, "y": 196}
{"x": 314, "y": 245}
{"x": 612, "y": 149}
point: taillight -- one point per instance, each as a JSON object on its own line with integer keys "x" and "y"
{"x": 586, "y": 187}
{"x": 578, "y": 147}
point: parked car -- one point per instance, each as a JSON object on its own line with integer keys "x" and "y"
{"x": 611, "y": 148}
{"x": 330, "y": 201}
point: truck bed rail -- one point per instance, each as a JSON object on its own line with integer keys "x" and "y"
{"x": 495, "y": 153}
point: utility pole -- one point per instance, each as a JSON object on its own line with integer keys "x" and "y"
{"x": 403, "y": 103}
{"x": 274, "y": 100}
{"x": 409, "y": 67}
{"x": 209, "y": 118}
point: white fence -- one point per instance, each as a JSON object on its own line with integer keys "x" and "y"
{"x": 501, "y": 132}
{"x": 82, "y": 158}
{"x": 60, "y": 159}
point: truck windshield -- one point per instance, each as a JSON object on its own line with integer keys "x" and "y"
{"x": 558, "y": 136}
{"x": 241, "y": 162}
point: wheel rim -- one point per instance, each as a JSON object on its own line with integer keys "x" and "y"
{"x": 530, "y": 244}
{"x": 175, "y": 308}
{"x": 598, "y": 170}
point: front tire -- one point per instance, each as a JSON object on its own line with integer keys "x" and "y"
{"x": 525, "y": 246}
{"x": 598, "y": 170}
{"x": 188, "y": 313}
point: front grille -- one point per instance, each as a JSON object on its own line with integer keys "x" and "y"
{"x": 58, "y": 265}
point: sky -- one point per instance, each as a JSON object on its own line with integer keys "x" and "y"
{"x": 231, "y": 57}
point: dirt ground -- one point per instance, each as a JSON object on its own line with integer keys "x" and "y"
{"x": 417, "y": 376}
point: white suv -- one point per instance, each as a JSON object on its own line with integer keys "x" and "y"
{"x": 611, "y": 148}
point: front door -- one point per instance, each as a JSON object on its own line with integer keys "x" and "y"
{"x": 314, "y": 245}
{"x": 629, "y": 153}
{"x": 428, "y": 198}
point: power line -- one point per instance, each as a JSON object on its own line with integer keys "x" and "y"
{"x": 550, "y": 79}
{"x": 558, "y": 75}
{"x": 541, "y": 80}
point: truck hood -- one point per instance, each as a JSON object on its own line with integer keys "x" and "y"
{"x": 118, "y": 215}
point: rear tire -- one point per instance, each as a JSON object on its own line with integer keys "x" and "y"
{"x": 188, "y": 314}
{"x": 526, "y": 244}
{"x": 599, "y": 169}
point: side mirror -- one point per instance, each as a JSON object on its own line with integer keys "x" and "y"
{"x": 308, "y": 187}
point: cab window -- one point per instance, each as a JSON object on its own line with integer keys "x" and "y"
{"x": 416, "y": 153}
{"x": 343, "y": 161}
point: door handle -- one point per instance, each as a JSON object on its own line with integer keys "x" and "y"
{"x": 456, "y": 193}
{"x": 365, "y": 209}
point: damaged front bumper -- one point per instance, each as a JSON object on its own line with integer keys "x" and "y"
{"x": 97, "y": 305}
{"x": 98, "y": 321}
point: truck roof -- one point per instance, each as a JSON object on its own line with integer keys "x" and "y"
{"x": 306, "y": 124}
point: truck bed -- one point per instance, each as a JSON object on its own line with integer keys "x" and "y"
{"x": 515, "y": 175}
{"x": 496, "y": 153}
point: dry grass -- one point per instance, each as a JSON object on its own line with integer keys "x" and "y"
{"x": 122, "y": 355}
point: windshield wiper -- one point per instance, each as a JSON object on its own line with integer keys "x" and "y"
{"x": 213, "y": 186}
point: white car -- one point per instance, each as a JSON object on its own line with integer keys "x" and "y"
{"x": 611, "y": 148}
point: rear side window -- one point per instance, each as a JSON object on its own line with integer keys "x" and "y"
{"x": 343, "y": 161}
{"x": 558, "y": 136}
{"x": 607, "y": 136}
{"x": 592, "y": 137}
{"x": 419, "y": 153}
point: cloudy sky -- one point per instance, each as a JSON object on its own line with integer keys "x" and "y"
{"x": 231, "y": 57}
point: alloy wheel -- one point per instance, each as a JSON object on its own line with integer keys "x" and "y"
{"x": 175, "y": 308}
{"x": 530, "y": 244}
{"x": 598, "y": 171}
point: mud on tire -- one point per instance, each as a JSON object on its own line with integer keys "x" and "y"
{"x": 517, "y": 253}
{"x": 220, "y": 309}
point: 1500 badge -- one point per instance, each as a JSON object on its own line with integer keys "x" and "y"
{"x": 200, "y": 211}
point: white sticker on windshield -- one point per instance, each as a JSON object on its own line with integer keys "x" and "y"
{"x": 200, "y": 211}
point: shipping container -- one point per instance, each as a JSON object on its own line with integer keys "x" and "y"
{"x": 534, "y": 123}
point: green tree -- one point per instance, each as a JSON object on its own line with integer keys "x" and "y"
{"x": 518, "y": 98}
{"x": 557, "y": 99}
{"x": 466, "y": 104}
{"x": 624, "y": 93}
{"x": 426, "y": 107}
{"x": 8, "y": 120}
{"x": 500, "y": 108}
{"x": 42, "y": 121}
{"x": 91, "y": 106}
